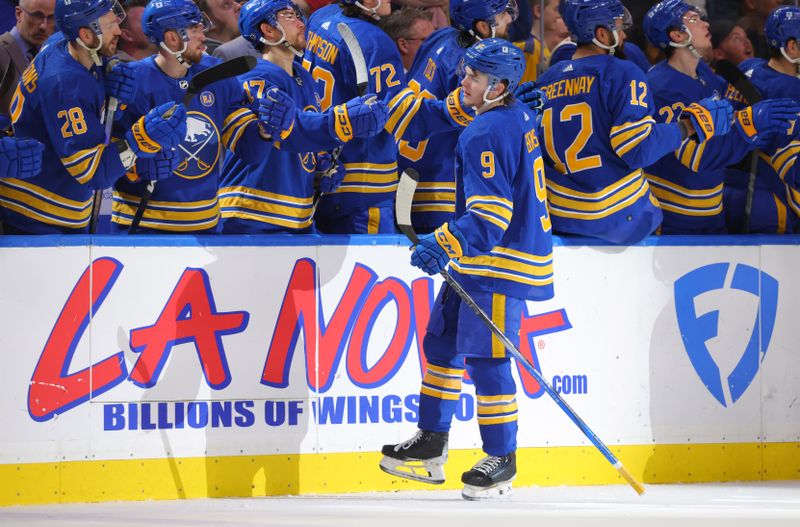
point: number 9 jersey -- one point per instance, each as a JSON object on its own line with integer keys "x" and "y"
{"x": 597, "y": 133}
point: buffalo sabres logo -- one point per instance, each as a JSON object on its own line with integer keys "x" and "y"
{"x": 207, "y": 99}
{"x": 201, "y": 146}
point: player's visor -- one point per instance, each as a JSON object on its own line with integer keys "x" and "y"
{"x": 627, "y": 19}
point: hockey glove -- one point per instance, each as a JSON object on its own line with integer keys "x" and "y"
{"x": 330, "y": 173}
{"x": 120, "y": 82}
{"x": 457, "y": 110}
{"x": 709, "y": 117}
{"x": 160, "y": 166}
{"x": 276, "y": 112}
{"x": 533, "y": 98}
{"x": 766, "y": 119}
{"x": 163, "y": 128}
{"x": 363, "y": 116}
{"x": 434, "y": 251}
{"x": 20, "y": 157}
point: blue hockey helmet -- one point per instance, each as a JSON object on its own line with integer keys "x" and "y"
{"x": 783, "y": 24}
{"x": 664, "y": 17}
{"x": 72, "y": 15}
{"x": 583, "y": 17}
{"x": 499, "y": 59}
{"x": 160, "y": 16}
{"x": 255, "y": 12}
{"x": 464, "y": 13}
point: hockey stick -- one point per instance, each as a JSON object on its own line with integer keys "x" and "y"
{"x": 728, "y": 71}
{"x": 362, "y": 78}
{"x": 230, "y": 68}
{"x": 405, "y": 195}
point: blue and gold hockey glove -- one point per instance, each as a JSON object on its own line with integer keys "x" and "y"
{"x": 20, "y": 158}
{"x": 160, "y": 166}
{"x": 164, "y": 127}
{"x": 433, "y": 251}
{"x": 459, "y": 112}
{"x": 330, "y": 173}
{"x": 120, "y": 82}
{"x": 276, "y": 113}
{"x": 530, "y": 96}
{"x": 760, "y": 122}
{"x": 709, "y": 117}
{"x": 363, "y": 116}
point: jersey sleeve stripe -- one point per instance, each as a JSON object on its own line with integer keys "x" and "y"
{"x": 82, "y": 165}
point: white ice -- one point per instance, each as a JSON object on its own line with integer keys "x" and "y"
{"x": 707, "y": 505}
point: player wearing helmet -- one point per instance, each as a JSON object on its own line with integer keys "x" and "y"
{"x": 598, "y": 131}
{"x": 277, "y": 193}
{"x": 60, "y": 102}
{"x": 217, "y": 120}
{"x": 689, "y": 183}
{"x": 499, "y": 248}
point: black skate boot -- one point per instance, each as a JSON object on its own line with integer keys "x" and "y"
{"x": 491, "y": 477}
{"x": 421, "y": 458}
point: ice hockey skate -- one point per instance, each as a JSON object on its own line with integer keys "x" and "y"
{"x": 490, "y": 478}
{"x": 421, "y": 458}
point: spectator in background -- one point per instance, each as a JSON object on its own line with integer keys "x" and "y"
{"x": 35, "y": 23}
{"x": 730, "y": 42}
{"x": 133, "y": 44}
{"x": 437, "y": 8}
{"x": 241, "y": 47}
{"x": 408, "y": 27}
{"x": 224, "y": 15}
{"x": 554, "y": 32}
{"x": 754, "y": 16}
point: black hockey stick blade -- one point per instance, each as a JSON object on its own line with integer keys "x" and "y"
{"x": 360, "y": 65}
{"x": 224, "y": 70}
{"x": 728, "y": 71}
{"x": 406, "y": 187}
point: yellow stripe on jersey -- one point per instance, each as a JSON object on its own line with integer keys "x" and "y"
{"x": 690, "y": 153}
{"x": 234, "y": 126}
{"x": 167, "y": 215}
{"x": 43, "y": 205}
{"x": 435, "y": 196}
{"x": 398, "y": 108}
{"x": 626, "y": 136}
{"x": 570, "y": 203}
{"x": 499, "y": 319}
{"x": 511, "y": 265}
{"x": 784, "y": 159}
{"x": 682, "y": 200}
{"x": 494, "y": 209}
{"x": 83, "y": 164}
{"x": 266, "y": 207}
{"x": 369, "y": 178}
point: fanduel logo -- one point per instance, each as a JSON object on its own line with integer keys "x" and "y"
{"x": 697, "y": 330}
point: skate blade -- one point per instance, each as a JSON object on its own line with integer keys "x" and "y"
{"x": 497, "y": 491}
{"x": 425, "y": 471}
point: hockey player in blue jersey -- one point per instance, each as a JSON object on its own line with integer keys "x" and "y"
{"x": 217, "y": 119}
{"x": 434, "y": 75}
{"x": 774, "y": 208}
{"x": 60, "y": 101}
{"x": 363, "y": 203}
{"x": 689, "y": 184}
{"x": 277, "y": 193}
{"x": 598, "y": 131}
{"x": 499, "y": 249}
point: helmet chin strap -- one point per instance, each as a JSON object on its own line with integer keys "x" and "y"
{"x": 612, "y": 48}
{"x": 294, "y": 50}
{"x": 93, "y": 51}
{"x": 688, "y": 44}
{"x": 486, "y": 100}
{"x": 371, "y": 11}
{"x": 177, "y": 54}
{"x": 796, "y": 61}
